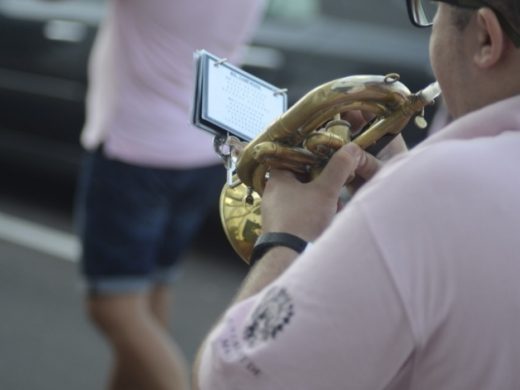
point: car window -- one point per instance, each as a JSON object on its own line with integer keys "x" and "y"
{"x": 294, "y": 10}
{"x": 87, "y": 11}
{"x": 388, "y": 13}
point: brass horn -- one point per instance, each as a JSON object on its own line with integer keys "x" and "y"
{"x": 306, "y": 135}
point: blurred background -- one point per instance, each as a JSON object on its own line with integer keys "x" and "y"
{"x": 45, "y": 341}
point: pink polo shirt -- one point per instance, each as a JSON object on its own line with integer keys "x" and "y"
{"x": 142, "y": 76}
{"x": 414, "y": 286}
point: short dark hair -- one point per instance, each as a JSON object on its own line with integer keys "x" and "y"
{"x": 509, "y": 9}
{"x": 461, "y": 17}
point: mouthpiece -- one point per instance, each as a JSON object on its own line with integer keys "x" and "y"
{"x": 430, "y": 93}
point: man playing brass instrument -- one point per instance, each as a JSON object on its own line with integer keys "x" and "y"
{"x": 414, "y": 284}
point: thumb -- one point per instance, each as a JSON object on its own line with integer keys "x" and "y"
{"x": 340, "y": 167}
{"x": 368, "y": 165}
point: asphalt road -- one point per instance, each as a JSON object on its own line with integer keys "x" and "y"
{"x": 46, "y": 342}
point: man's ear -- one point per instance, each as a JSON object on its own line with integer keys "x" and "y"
{"x": 492, "y": 39}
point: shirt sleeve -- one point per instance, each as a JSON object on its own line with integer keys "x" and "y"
{"x": 333, "y": 320}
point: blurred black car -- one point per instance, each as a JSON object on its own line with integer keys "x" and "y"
{"x": 44, "y": 48}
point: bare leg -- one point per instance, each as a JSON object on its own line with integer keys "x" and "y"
{"x": 161, "y": 302}
{"x": 145, "y": 355}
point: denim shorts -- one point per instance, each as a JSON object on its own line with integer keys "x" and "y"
{"x": 134, "y": 222}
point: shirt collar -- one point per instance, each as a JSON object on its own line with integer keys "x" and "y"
{"x": 488, "y": 121}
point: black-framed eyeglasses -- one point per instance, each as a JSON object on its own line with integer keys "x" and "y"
{"x": 422, "y": 13}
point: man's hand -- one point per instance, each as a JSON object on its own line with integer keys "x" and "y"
{"x": 306, "y": 209}
{"x": 372, "y": 165}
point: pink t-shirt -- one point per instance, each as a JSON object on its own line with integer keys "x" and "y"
{"x": 142, "y": 76}
{"x": 414, "y": 286}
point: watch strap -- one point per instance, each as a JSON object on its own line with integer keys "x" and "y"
{"x": 268, "y": 241}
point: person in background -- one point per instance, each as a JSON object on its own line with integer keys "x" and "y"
{"x": 414, "y": 283}
{"x": 149, "y": 177}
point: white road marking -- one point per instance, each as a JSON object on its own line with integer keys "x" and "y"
{"x": 38, "y": 237}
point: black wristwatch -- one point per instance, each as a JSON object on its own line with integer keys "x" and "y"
{"x": 268, "y": 241}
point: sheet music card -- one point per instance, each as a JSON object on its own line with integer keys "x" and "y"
{"x": 229, "y": 100}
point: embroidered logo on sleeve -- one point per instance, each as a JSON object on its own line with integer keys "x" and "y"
{"x": 230, "y": 349}
{"x": 270, "y": 317}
